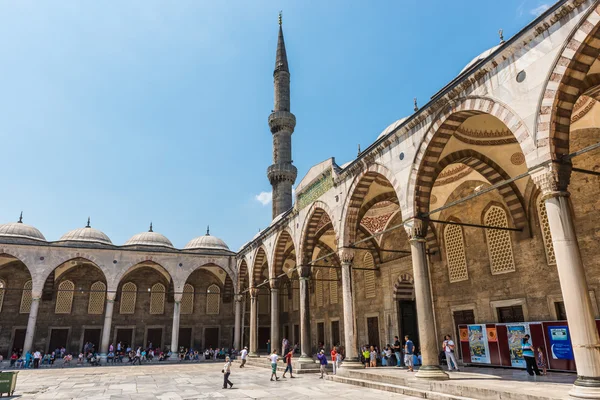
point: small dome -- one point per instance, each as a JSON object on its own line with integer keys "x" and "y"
{"x": 149, "y": 238}
{"x": 390, "y": 128}
{"x": 87, "y": 234}
{"x": 20, "y": 230}
{"x": 206, "y": 242}
{"x": 480, "y": 57}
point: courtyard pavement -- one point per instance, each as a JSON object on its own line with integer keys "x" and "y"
{"x": 180, "y": 381}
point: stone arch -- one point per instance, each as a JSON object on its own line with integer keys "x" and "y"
{"x": 356, "y": 194}
{"x": 279, "y": 255}
{"x": 404, "y": 288}
{"x": 565, "y": 83}
{"x": 228, "y": 287}
{"x": 74, "y": 257}
{"x": 318, "y": 214}
{"x": 442, "y": 129}
{"x": 242, "y": 275}
{"x": 145, "y": 262}
{"x": 260, "y": 259}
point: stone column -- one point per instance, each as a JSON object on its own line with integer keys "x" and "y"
{"x": 31, "y": 322}
{"x": 176, "y": 317}
{"x": 274, "y": 315}
{"x": 108, "y": 314}
{"x": 350, "y": 340}
{"x": 305, "y": 350}
{"x": 243, "y": 334}
{"x": 425, "y": 318}
{"x": 238, "y": 322}
{"x": 253, "y": 322}
{"x": 553, "y": 181}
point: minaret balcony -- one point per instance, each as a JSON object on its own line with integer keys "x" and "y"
{"x": 279, "y": 120}
{"x": 282, "y": 173}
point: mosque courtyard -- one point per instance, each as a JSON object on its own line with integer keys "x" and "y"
{"x": 179, "y": 381}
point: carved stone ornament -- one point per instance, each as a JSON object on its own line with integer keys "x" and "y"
{"x": 253, "y": 292}
{"x": 553, "y": 179}
{"x": 346, "y": 255}
{"x": 304, "y": 271}
{"x": 274, "y": 283}
{"x": 238, "y": 298}
{"x": 416, "y": 229}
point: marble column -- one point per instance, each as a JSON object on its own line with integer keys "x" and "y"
{"x": 253, "y": 322}
{"x": 108, "y": 315}
{"x": 351, "y": 361}
{"x": 31, "y": 322}
{"x": 176, "y": 318}
{"x": 430, "y": 368}
{"x": 237, "y": 334}
{"x": 305, "y": 348}
{"x": 275, "y": 316}
{"x": 553, "y": 182}
{"x": 243, "y": 331}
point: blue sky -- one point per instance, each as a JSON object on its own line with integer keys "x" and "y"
{"x": 138, "y": 111}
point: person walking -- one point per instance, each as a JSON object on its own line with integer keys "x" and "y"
{"x": 448, "y": 346}
{"x": 334, "y": 356}
{"x": 529, "y": 356}
{"x": 288, "y": 361}
{"x": 323, "y": 363}
{"x": 397, "y": 351}
{"x": 226, "y": 372}
{"x": 243, "y": 356}
{"x": 409, "y": 350}
{"x": 273, "y": 357}
{"x": 285, "y": 346}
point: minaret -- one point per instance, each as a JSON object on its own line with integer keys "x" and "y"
{"x": 282, "y": 174}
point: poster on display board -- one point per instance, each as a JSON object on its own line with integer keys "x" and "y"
{"x": 516, "y": 333}
{"x": 478, "y": 344}
{"x": 560, "y": 343}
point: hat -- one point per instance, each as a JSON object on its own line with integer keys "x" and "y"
{"x": 322, "y": 351}
{"x": 246, "y": 347}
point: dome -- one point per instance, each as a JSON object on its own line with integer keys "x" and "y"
{"x": 390, "y": 128}
{"x": 20, "y": 230}
{"x": 480, "y": 57}
{"x": 87, "y": 234}
{"x": 149, "y": 238}
{"x": 206, "y": 242}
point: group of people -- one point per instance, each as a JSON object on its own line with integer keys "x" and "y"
{"x": 35, "y": 359}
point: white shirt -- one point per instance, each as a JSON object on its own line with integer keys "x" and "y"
{"x": 243, "y": 354}
{"x": 447, "y": 347}
{"x": 274, "y": 358}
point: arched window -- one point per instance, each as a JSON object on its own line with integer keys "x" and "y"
{"x": 64, "y": 298}
{"x": 545, "y": 228}
{"x": 128, "y": 297}
{"x": 2, "y": 290}
{"x": 295, "y": 295}
{"x": 187, "y": 299}
{"x": 498, "y": 241}
{"x": 455, "y": 253}
{"x": 369, "y": 276}
{"x": 97, "y": 297}
{"x": 213, "y": 299}
{"x": 333, "y": 286}
{"x": 26, "y": 298}
{"x": 157, "y": 299}
{"x": 319, "y": 288}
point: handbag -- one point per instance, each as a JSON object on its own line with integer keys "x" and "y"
{"x": 222, "y": 371}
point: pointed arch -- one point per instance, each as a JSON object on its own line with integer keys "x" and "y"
{"x": 404, "y": 288}
{"x": 260, "y": 263}
{"x": 284, "y": 247}
{"x": 318, "y": 220}
{"x": 243, "y": 277}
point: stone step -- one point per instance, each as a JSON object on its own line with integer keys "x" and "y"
{"x": 262, "y": 362}
{"x": 389, "y": 387}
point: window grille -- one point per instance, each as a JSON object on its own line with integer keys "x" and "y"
{"x": 187, "y": 300}
{"x": 26, "y": 298}
{"x": 64, "y": 298}
{"x": 319, "y": 289}
{"x": 2, "y": 290}
{"x": 97, "y": 298}
{"x": 455, "y": 253}
{"x": 157, "y": 299}
{"x": 128, "y": 297}
{"x": 213, "y": 299}
{"x": 546, "y": 235}
{"x": 369, "y": 276}
{"x": 498, "y": 241}
{"x": 333, "y": 287}
{"x": 295, "y": 295}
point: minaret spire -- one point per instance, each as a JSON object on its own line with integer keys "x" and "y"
{"x": 282, "y": 173}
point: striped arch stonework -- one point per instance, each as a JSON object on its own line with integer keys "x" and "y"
{"x": 280, "y": 251}
{"x": 309, "y": 234}
{"x": 358, "y": 191}
{"x": 242, "y": 276}
{"x": 566, "y": 83}
{"x": 424, "y": 168}
{"x": 404, "y": 288}
{"x": 260, "y": 259}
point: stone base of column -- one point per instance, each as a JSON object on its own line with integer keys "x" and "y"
{"x": 102, "y": 357}
{"x": 351, "y": 363}
{"x": 432, "y": 372}
{"x": 253, "y": 355}
{"x": 585, "y": 388}
{"x": 305, "y": 360}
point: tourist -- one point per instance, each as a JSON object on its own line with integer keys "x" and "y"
{"x": 273, "y": 357}
{"x": 243, "y": 355}
{"x": 119, "y": 347}
{"x": 397, "y": 351}
{"x": 529, "y": 356}
{"x": 110, "y": 357}
{"x": 137, "y": 357}
{"x": 268, "y": 346}
{"x": 384, "y": 357}
{"x": 409, "y": 349}
{"x": 339, "y": 358}
{"x": 541, "y": 361}
{"x": 67, "y": 360}
{"x": 373, "y": 357}
{"x": 214, "y": 354}
{"x": 322, "y": 363}
{"x": 366, "y": 355}
{"x": 181, "y": 354}
{"x": 111, "y": 348}
{"x": 37, "y": 356}
{"x": 285, "y": 346}
{"x": 51, "y": 358}
{"x": 448, "y": 346}
{"x": 334, "y": 359}
{"x": 226, "y": 372}
{"x": 288, "y": 361}
{"x": 80, "y": 359}
{"x": 13, "y": 359}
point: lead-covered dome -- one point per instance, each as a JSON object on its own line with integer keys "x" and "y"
{"x": 20, "y": 230}
{"x": 391, "y": 127}
{"x": 206, "y": 242}
{"x": 86, "y": 234}
{"x": 480, "y": 57}
{"x": 149, "y": 238}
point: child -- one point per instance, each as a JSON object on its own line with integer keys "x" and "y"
{"x": 541, "y": 360}
{"x": 273, "y": 358}
{"x": 373, "y": 357}
{"x": 288, "y": 360}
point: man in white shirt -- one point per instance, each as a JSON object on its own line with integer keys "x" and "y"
{"x": 273, "y": 357}
{"x": 448, "y": 346}
{"x": 243, "y": 355}
{"x": 37, "y": 356}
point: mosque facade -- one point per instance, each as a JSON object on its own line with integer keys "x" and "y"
{"x": 481, "y": 207}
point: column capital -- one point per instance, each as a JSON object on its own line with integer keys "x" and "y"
{"x": 274, "y": 283}
{"x": 416, "y": 229}
{"x": 238, "y": 298}
{"x": 177, "y": 297}
{"x": 553, "y": 179}
{"x": 111, "y": 296}
{"x": 346, "y": 255}
{"x": 253, "y": 292}
{"x": 304, "y": 271}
